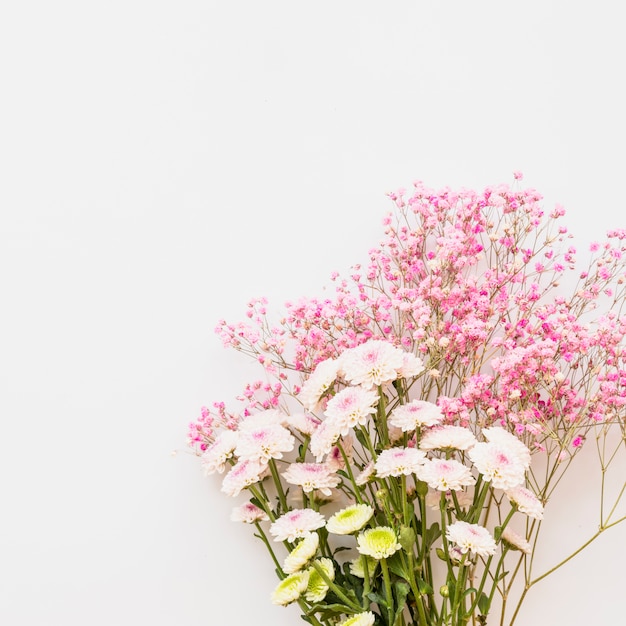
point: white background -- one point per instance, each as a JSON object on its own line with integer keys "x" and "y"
{"x": 162, "y": 162}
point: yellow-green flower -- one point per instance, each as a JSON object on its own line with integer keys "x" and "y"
{"x": 290, "y": 588}
{"x": 318, "y": 588}
{"x": 360, "y": 619}
{"x": 350, "y": 519}
{"x": 379, "y": 543}
{"x": 302, "y": 553}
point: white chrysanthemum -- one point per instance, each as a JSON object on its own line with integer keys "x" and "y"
{"x": 411, "y": 366}
{"x": 290, "y": 589}
{"x": 318, "y": 383}
{"x": 214, "y": 458}
{"x": 526, "y": 501}
{"x": 303, "y": 423}
{"x": 248, "y": 513}
{"x": 379, "y": 543}
{"x": 464, "y": 499}
{"x": 324, "y": 438}
{"x": 243, "y": 474}
{"x": 360, "y": 619}
{"x": 318, "y": 588}
{"x": 304, "y": 551}
{"x": 261, "y": 419}
{"x": 500, "y": 436}
{"x": 372, "y": 363}
{"x": 446, "y": 474}
{"x": 357, "y": 566}
{"x": 311, "y": 476}
{"x": 350, "y": 520}
{"x": 296, "y": 523}
{"x": 366, "y": 474}
{"x": 351, "y": 406}
{"x": 335, "y": 461}
{"x": 447, "y": 437}
{"x": 398, "y": 461}
{"x": 515, "y": 541}
{"x": 415, "y": 414}
{"x": 498, "y": 464}
{"x": 471, "y": 537}
{"x": 264, "y": 442}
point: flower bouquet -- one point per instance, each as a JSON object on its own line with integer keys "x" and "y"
{"x": 398, "y": 454}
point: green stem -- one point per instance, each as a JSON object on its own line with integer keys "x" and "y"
{"x": 388, "y": 593}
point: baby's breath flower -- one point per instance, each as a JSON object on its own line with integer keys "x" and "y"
{"x": 379, "y": 543}
{"x": 350, "y": 520}
{"x": 318, "y": 588}
{"x": 360, "y": 619}
{"x": 303, "y": 552}
{"x": 290, "y": 589}
{"x": 471, "y": 537}
{"x": 296, "y": 523}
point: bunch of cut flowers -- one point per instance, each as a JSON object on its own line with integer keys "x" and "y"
{"x": 408, "y": 432}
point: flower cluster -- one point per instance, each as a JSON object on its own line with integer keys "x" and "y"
{"x": 399, "y": 422}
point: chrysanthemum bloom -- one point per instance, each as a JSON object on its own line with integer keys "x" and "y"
{"x": 360, "y": 619}
{"x": 515, "y": 541}
{"x": 214, "y": 458}
{"x": 464, "y": 499}
{"x": 498, "y": 464}
{"x": 296, "y": 523}
{"x": 303, "y": 423}
{"x": 318, "y": 383}
{"x": 248, "y": 513}
{"x": 445, "y": 474}
{"x": 502, "y": 437}
{"x": 318, "y": 588}
{"x": 350, "y": 520}
{"x": 312, "y": 476}
{"x": 324, "y": 438}
{"x": 379, "y": 543}
{"x": 243, "y": 474}
{"x": 415, "y": 414}
{"x": 371, "y": 364}
{"x": 261, "y": 419}
{"x": 290, "y": 589}
{"x": 366, "y": 474}
{"x": 304, "y": 551}
{"x": 335, "y": 461}
{"x": 526, "y": 501}
{"x": 351, "y": 406}
{"x": 412, "y": 366}
{"x": 357, "y": 566}
{"x": 398, "y": 461}
{"x": 447, "y": 438}
{"x": 264, "y": 442}
{"x": 471, "y": 537}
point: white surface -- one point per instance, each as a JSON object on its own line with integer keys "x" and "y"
{"x": 163, "y": 162}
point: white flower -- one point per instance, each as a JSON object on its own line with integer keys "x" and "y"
{"x": 411, "y": 366}
{"x": 296, "y": 523}
{"x": 371, "y": 364}
{"x": 248, "y": 513}
{"x": 446, "y": 474}
{"x": 464, "y": 499}
{"x": 324, "y": 438}
{"x": 366, "y": 474}
{"x": 526, "y": 501}
{"x": 357, "y": 566}
{"x": 360, "y": 619}
{"x": 351, "y": 406}
{"x": 261, "y": 419}
{"x": 318, "y": 588}
{"x": 447, "y": 437}
{"x": 303, "y": 552}
{"x": 498, "y": 464}
{"x": 312, "y": 476}
{"x": 415, "y": 414}
{"x": 214, "y": 458}
{"x": 350, "y": 519}
{"x": 398, "y": 461}
{"x": 303, "y": 423}
{"x": 515, "y": 541}
{"x": 264, "y": 442}
{"x": 290, "y": 589}
{"x": 379, "y": 543}
{"x": 503, "y": 437}
{"x": 335, "y": 461}
{"x": 471, "y": 537}
{"x": 318, "y": 383}
{"x": 243, "y": 474}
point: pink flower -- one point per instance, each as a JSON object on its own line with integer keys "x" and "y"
{"x": 311, "y": 476}
{"x": 372, "y": 363}
{"x": 415, "y": 414}
{"x": 351, "y": 407}
{"x": 398, "y": 461}
{"x": 526, "y": 501}
{"x": 243, "y": 474}
{"x": 471, "y": 538}
{"x": 498, "y": 464}
{"x": 446, "y": 474}
{"x": 295, "y": 524}
{"x": 447, "y": 437}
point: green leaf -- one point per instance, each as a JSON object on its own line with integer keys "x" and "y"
{"x": 378, "y": 599}
{"x": 424, "y": 587}
{"x": 441, "y": 554}
{"x": 407, "y": 538}
{"x": 431, "y": 535}
{"x": 397, "y": 566}
{"x": 484, "y": 604}
{"x": 402, "y": 591}
{"x": 421, "y": 488}
{"x": 497, "y": 533}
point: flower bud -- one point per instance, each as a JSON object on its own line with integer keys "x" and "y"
{"x": 444, "y": 591}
